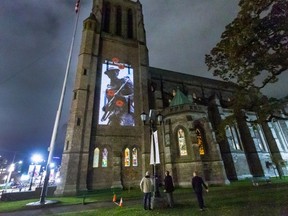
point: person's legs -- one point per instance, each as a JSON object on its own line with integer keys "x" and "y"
{"x": 149, "y": 201}
{"x": 200, "y": 200}
{"x": 170, "y": 199}
{"x": 145, "y": 200}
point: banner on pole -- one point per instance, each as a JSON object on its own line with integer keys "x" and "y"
{"x": 154, "y": 148}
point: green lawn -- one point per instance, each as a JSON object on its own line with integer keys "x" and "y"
{"x": 239, "y": 198}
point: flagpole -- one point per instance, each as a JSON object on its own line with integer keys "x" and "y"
{"x": 58, "y": 114}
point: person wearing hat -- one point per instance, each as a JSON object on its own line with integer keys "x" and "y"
{"x": 124, "y": 84}
{"x": 119, "y": 109}
{"x": 146, "y": 186}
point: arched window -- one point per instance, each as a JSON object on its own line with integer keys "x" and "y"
{"x": 106, "y": 17}
{"x": 130, "y": 24}
{"x": 134, "y": 157}
{"x": 182, "y": 142}
{"x": 200, "y": 142}
{"x": 118, "y": 21}
{"x": 233, "y": 137}
{"x": 105, "y": 157}
{"x": 127, "y": 157}
{"x": 96, "y": 158}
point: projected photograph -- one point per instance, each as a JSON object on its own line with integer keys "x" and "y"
{"x": 117, "y": 95}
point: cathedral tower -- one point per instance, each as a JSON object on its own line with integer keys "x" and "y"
{"x": 105, "y": 133}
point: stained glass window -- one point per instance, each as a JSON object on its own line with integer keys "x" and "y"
{"x": 182, "y": 142}
{"x": 127, "y": 157}
{"x": 105, "y": 157}
{"x": 96, "y": 157}
{"x": 200, "y": 142}
{"x": 134, "y": 157}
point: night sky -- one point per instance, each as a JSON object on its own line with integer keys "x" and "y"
{"x": 34, "y": 45}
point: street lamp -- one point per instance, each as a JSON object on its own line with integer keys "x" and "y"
{"x": 153, "y": 119}
{"x": 10, "y": 170}
{"x": 35, "y": 160}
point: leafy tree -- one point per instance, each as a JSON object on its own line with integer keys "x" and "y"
{"x": 253, "y": 49}
{"x": 253, "y": 52}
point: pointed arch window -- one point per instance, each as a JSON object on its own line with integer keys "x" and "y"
{"x": 233, "y": 137}
{"x": 130, "y": 24}
{"x": 96, "y": 158}
{"x": 200, "y": 142}
{"x": 127, "y": 157}
{"x": 182, "y": 142}
{"x": 256, "y": 136}
{"x": 134, "y": 157}
{"x": 118, "y": 21}
{"x": 105, "y": 157}
{"x": 106, "y": 17}
{"x": 130, "y": 157}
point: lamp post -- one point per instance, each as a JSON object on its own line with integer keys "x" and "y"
{"x": 11, "y": 170}
{"x": 153, "y": 119}
{"x": 35, "y": 159}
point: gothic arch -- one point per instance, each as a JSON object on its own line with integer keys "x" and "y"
{"x": 130, "y": 23}
{"x": 106, "y": 17}
{"x": 130, "y": 156}
{"x": 118, "y": 20}
{"x": 181, "y": 137}
{"x": 201, "y": 140}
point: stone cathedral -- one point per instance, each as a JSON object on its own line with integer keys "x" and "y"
{"x": 107, "y": 144}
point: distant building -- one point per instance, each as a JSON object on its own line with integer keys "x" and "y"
{"x": 107, "y": 145}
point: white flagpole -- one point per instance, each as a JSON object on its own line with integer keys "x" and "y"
{"x": 58, "y": 114}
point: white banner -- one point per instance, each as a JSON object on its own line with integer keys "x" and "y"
{"x": 154, "y": 157}
{"x": 37, "y": 170}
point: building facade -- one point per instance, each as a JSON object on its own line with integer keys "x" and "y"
{"x": 107, "y": 144}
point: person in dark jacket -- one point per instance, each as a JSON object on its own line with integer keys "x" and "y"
{"x": 197, "y": 185}
{"x": 169, "y": 188}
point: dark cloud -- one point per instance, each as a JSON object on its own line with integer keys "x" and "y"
{"x": 34, "y": 43}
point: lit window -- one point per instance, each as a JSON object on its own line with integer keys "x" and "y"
{"x": 104, "y": 157}
{"x": 182, "y": 142}
{"x": 174, "y": 92}
{"x": 127, "y": 157}
{"x": 134, "y": 157}
{"x": 96, "y": 158}
{"x": 194, "y": 95}
{"x": 200, "y": 142}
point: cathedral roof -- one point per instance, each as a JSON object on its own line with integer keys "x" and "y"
{"x": 179, "y": 99}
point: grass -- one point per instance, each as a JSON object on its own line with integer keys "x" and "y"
{"x": 239, "y": 198}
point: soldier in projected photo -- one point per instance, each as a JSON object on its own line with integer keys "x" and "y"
{"x": 119, "y": 110}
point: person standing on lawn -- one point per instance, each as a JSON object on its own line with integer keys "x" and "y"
{"x": 146, "y": 186}
{"x": 169, "y": 188}
{"x": 197, "y": 185}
